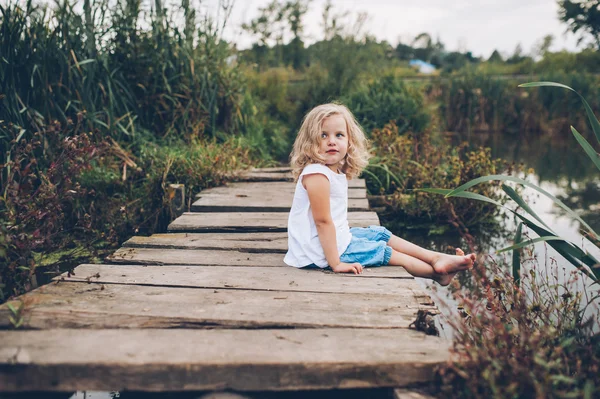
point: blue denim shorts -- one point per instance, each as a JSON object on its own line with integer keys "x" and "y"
{"x": 368, "y": 246}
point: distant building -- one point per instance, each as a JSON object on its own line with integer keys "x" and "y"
{"x": 422, "y": 66}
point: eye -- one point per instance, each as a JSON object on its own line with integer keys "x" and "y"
{"x": 340, "y": 135}
{"x": 323, "y": 135}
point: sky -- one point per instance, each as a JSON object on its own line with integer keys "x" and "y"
{"x": 462, "y": 25}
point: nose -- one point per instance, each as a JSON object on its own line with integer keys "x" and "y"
{"x": 331, "y": 140}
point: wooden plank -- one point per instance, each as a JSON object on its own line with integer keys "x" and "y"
{"x": 272, "y": 169}
{"x": 408, "y": 393}
{"x": 83, "y": 305}
{"x": 265, "y": 176}
{"x": 252, "y": 221}
{"x": 244, "y": 360}
{"x": 273, "y": 188}
{"x": 158, "y": 257}
{"x": 167, "y": 257}
{"x": 259, "y": 203}
{"x": 243, "y": 242}
{"x": 254, "y": 176}
{"x": 256, "y": 278}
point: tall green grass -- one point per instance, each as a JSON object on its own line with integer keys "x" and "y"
{"x": 483, "y": 102}
{"x": 130, "y": 71}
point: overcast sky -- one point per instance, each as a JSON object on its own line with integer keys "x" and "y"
{"x": 478, "y": 26}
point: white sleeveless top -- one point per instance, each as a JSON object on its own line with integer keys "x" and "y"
{"x": 304, "y": 247}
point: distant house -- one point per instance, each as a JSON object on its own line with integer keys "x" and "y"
{"x": 422, "y": 66}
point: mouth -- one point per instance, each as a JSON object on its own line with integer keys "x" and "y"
{"x": 332, "y": 151}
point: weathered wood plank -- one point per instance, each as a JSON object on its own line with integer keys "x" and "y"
{"x": 254, "y": 176}
{"x": 257, "y": 176}
{"x": 220, "y": 258}
{"x": 252, "y": 221}
{"x": 259, "y": 203}
{"x": 83, "y": 305}
{"x": 244, "y": 360}
{"x": 255, "y": 278}
{"x": 273, "y": 188}
{"x": 158, "y": 257}
{"x": 273, "y": 169}
{"x": 408, "y": 393}
{"x": 243, "y": 242}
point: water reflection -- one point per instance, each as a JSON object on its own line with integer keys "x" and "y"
{"x": 560, "y": 167}
{"x": 553, "y": 157}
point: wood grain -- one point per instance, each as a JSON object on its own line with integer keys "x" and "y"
{"x": 252, "y": 221}
{"x": 183, "y": 360}
{"x": 251, "y": 278}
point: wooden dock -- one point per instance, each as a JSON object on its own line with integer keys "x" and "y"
{"x": 211, "y": 306}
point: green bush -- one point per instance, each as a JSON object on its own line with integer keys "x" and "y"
{"x": 586, "y": 61}
{"x": 403, "y": 163}
{"x": 528, "y": 340}
{"x": 481, "y": 102}
{"x": 388, "y": 99}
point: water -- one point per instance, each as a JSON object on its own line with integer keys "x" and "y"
{"x": 560, "y": 167}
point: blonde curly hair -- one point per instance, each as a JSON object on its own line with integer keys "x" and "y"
{"x": 306, "y": 146}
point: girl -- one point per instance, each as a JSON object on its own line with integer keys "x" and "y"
{"x": 330, "y": 149}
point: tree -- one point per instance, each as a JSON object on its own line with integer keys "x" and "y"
{"x": 294, "y": 11}
{"x": 517, "y": 55}
{"x": 331, "y": 26}
{"x": 541, "y": 47}
{"x": 423, "y": 47}
{"x": 495, "y": 57}
{"x": 404, "y": 51}
{"x": 275, "y": 20}
{"x": 581, "y": 16}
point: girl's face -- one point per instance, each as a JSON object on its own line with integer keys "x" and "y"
{"x": 334, "y": 141}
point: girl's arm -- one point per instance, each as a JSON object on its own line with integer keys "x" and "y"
{"x": 317, "y": 186}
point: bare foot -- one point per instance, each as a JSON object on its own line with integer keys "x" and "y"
{"x": 445, "y": 279}
{"x": 446, "y": 264}
{"x": 460, "y": 252}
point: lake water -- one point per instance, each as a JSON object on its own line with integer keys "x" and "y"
{"x": 562, "y": 168}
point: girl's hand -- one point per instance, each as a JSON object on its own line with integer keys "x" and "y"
{"x": 342, "y": 267}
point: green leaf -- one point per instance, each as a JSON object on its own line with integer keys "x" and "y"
{"x": 464, "y": 194}
{"x": 516, "y": 258}
{"x": 11, "y": 308}
{"x": 570, "y": 252}
{"x": 563, "y": 378}
{"x": 558, "y": 202}
{"x": 593, "y": 120}
{"x": 515, "y": 197}
{"x": 588, "y": 389}
{"x": 587, "y": 147}
{"x": 373, "y": 176}
{"x": 21, "y": 133}
{"x": 522, "y": 244}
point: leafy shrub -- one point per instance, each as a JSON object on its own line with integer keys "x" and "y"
{"x": 66, "y": 193}
{"x": 523, "y": 341}
{"x": 481, "y": 102}
{"x": 403, "y": 163}
{"x": 43, "y": 203}
{"x": 586, "y": 61}
{"x": 388, "y": 99}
